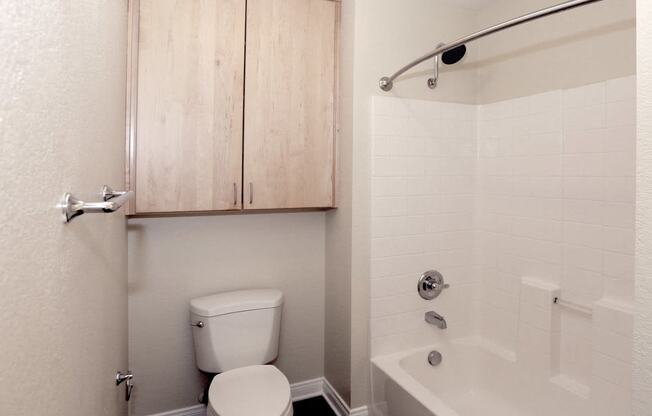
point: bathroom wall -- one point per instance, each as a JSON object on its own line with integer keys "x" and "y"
{"x": 172, "y": 260}
{"x": 517, "y": 63}
{"x": 374, "y": 48}
{"x": 337, "y": 313}
{"x": 556, "y": 204}
{"x": 370, "y": 51}
{"x": 63, "y": 306}
{"x": 642, "y": 403}
{"x": 590, "y": 44}
{"x": 546, "y": 209}
{"x": 423, "y": 184}
{"x": 556, "y": 192}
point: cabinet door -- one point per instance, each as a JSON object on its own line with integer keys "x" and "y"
{"x": 188, "y": 145}
{"x": 289, "y": 104}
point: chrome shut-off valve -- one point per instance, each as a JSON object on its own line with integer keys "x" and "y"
{"x": 431, "y": 284}
{"x": 128, "y": 379}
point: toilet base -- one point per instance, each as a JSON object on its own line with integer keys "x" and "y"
{"x": 211, "y": 412}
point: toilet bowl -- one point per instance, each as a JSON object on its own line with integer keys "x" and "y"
{"x": 235, "y": 335}
{"x": 259, "y": 390}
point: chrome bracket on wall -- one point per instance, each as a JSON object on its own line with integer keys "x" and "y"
{"x": 72, "y": 207}
{"x": 128, "y": 379}
{"x": 432, "y": 82}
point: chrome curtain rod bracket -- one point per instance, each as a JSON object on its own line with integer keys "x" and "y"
{"x": 72, "y": 207}
{"x": 432, "y": 82}
{"x": 387, "y": 83}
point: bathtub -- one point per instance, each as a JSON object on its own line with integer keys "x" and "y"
{"x": 474, "y": 379}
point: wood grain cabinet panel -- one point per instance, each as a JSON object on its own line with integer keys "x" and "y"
{"x": 289, "y": 104}
{"x": 232, "y": 105}
{"x": 188, "y": 142}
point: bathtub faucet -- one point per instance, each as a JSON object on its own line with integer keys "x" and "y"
{"x": 436, "y": 319}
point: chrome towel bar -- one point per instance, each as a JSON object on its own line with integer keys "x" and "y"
{"x": 72, "y": 207}
{"x": 573, "y": 306}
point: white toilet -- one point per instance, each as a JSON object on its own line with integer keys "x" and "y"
{"x": 235, "y": 333}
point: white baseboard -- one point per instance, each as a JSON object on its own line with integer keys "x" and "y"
{"x": 359, "y": 411}
{"x": 199, "y": 410}
{"x": 300, "y": 391}
{"x": 307, "y": 389}
{"x": 334, "y": 399}
{"x": 338, "y": 404}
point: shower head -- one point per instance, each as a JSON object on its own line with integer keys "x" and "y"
{"x": 450, "y": 57}
{"x": 454, "y": 55}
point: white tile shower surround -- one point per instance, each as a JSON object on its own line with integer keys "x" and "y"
{"x": 536, "y": 189}
{"x": 422, "y": 217}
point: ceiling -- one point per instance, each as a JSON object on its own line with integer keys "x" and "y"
{"x": 470, "y": 4}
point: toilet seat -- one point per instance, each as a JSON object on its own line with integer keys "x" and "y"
{"x": 258, "y": 390}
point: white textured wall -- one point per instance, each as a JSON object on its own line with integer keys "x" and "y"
{"x": 643, "y": 323}
{"x": 172, "y": 260}
{"x": 63, "y": 306}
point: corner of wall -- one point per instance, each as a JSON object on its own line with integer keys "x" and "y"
{"x": 642, "y": 378}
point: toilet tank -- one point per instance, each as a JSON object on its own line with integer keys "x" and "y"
{"x": 237, "y": 329}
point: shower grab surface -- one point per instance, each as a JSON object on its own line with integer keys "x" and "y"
{"x": 573, "y": 306}
{"x": 72, "y": 207}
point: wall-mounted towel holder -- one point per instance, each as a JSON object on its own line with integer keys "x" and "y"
{"x": 573, "y": 306}
{"x": 72, "y": 207}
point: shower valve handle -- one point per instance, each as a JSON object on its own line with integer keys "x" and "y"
{"x": 431, "y": 284}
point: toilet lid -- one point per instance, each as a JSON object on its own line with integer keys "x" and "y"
{"x": 259, "y": 390}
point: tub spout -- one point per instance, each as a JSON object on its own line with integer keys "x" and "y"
{"x": 436, "y": 319}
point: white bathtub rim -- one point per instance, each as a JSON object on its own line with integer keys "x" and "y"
{"x": 473, "y": 340}
{"x": 421, "y": 394}
{"x": 390, "y": 364}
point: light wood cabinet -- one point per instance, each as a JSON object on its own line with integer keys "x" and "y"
{"x": 188, "y": 147}
{"x": 289, "y": 111}
{"x": 232, "y": 105}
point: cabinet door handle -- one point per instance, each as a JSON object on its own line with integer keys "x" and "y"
{"x": 235, "y": 193}
{"x": 251, "y": 193}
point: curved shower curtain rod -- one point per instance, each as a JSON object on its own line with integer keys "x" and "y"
{"x": 386, "y": 83}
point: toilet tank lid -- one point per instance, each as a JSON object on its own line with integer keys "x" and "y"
{"x": 236, "y": 301}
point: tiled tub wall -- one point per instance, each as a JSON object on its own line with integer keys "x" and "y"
{"x": 422, "y": 218}
{"x": 539, "y": 188}
{"x": 556, "y": 202}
